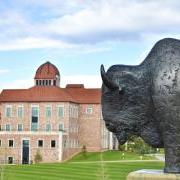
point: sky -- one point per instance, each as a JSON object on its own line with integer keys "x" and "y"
{"x": 79, "y": 35}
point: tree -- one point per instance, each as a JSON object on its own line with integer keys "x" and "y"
{"x": 137, "y": 145}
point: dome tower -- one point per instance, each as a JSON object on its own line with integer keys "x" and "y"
{"x": 47, "y": 75}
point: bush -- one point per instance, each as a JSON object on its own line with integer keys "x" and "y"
{"x": 137, "y": 145}
{"x": 84, "y": 150}
{"x": 121, "y": 147}
{"x": 38, "y": 157}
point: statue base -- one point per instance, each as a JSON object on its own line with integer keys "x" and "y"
{"x": 152, "y": 175}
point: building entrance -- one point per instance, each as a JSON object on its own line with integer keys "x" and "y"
{"x": 25, "y": 152}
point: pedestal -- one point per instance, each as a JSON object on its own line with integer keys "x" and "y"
{"x": 152, "y": 175}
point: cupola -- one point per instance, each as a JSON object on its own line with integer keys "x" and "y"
{"x": 47, "y": 75}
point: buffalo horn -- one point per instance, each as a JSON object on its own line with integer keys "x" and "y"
{"x": 107, "y": 81}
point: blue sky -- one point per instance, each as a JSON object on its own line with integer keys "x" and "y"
{"x": 79, "y": 35}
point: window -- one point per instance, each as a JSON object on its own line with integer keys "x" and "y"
{"x": 101, "y": 115}
{"x": 72, "y": 143}
{"x": 73, "y": 111}
{"x": 70, "y": 111}
{"x": 46, "y": 82}
{"x": 8, "y": 111}
{"x": 60, "y": 111}
{"x": 89, "y": 110}
{"x": 11, "y": 143}
{"x": 77, "y": 143}
{"x": 8, "y": 127}
{"x": 53, "y": 143}
{"x": 49, "y": 82}
{"x": 40, "y": 143}
{"x": 48, "y": 127}
{"x": 34, "y": 118}
{"x": 54, "y": 82}
{"x": 61, "y": 127}
{"x": 48, "y": 111}
{"x": 20, "y": 111}
{"x": 69, "y": 143}
{"x": 65, "y": 143}
{"x": 20, "y": 127}
{"x": 76, "y": 111}
{"x": 10, "y": 160}
{"x": 0, "y": 128}
{"x": 76, "y": 129}
{"x": 34, "y": 111}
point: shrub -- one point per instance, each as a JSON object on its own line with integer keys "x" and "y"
{"x": 84, "y": 150}
{"x": 38, "y": 157}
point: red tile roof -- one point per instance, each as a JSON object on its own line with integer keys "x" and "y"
{"x": 85, "y": 96}
{"x": 52, "y": 94}
{"x": 47, "y": 71}
{"x": 75, "y": 86}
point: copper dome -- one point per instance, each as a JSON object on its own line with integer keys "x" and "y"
{"x": 47, "y": 71}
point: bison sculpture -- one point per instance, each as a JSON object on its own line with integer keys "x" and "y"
{"x": 144, "y": 100}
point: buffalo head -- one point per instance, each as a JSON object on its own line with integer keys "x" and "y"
{"x": 126, "y": 101}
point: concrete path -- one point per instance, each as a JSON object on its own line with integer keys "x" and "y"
{"x": 160, "y": 157}
{"x": 157, "y": 156}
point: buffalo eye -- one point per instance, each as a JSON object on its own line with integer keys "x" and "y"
{"x": 121, "y": 90}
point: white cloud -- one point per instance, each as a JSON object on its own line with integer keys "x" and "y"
{"x": 52, "y": 3}
{"x": 85, "y": 22}
{"x": 32, "y": 43}
{"x": 17, "y": 84}
{"x": 116, "y": 20}
{"x": 89, "y": 81}
{"x": 4, "y": 71}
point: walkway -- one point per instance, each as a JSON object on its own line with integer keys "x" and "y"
{"x": 160, "y": 157}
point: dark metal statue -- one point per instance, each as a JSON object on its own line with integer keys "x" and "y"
{"x": 144, "y": 100}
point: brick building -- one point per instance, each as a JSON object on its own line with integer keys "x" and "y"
{"x": 52, "y": 121}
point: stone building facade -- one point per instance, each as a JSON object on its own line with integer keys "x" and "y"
{"x": 51, "y": 121}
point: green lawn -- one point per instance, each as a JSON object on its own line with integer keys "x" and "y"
{"x": 80, "y": 171}
{"x": 109, "y": 156}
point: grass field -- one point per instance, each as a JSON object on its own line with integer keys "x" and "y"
{"x": 84, "y": 170}
{"x": 109, "y": 156}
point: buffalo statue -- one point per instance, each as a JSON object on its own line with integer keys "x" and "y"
{"x": 144, "y": 100}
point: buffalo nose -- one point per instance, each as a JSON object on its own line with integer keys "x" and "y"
{"x": 108, "y": 124}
